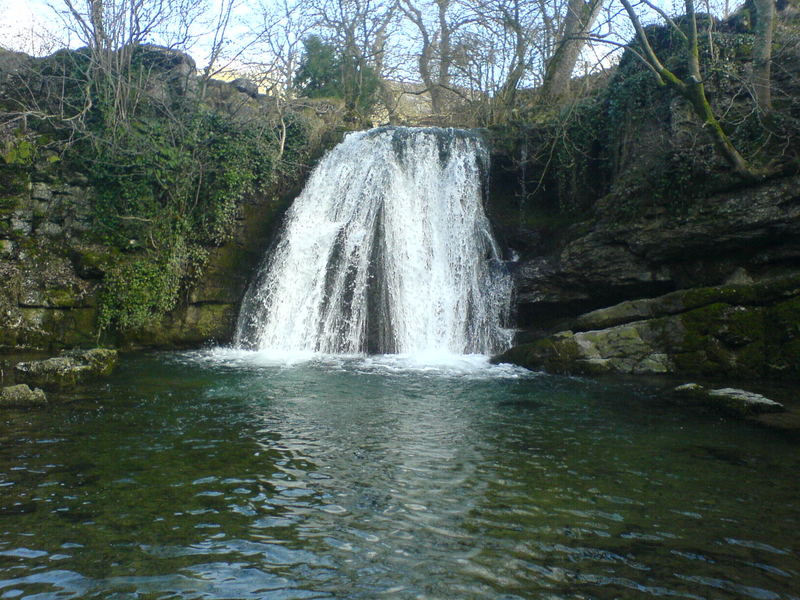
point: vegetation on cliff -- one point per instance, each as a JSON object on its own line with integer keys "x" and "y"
{"x": 168, "y": 166}
{"x": 632, "y": 143}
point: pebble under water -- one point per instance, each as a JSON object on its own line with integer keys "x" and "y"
{"x": 223, "y": 475}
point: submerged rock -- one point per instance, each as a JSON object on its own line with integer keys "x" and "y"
{"x": 68, "y": 369}
{"x": 731, "y": 400}
{"x": 21, "y": 396}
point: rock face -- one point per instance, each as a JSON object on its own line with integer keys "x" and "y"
{"x": 21, "y": 396}
{"x": 755, "y": 229}
{"x": 52, "y": 276}
{"x": 736, "y": 331}
{"x": 68, "y": 369}
{"x": 625, "y": 201}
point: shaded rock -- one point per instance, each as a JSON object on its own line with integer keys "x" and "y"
{"x": 745, "y": 402}
{"x": 21, "y": 396}
{"x": 728, "y": 238}
{"x": 172, "y": 73}
{"x": 783, "y": 421}
{"x": 11, "y": 61}
{"x": 730, "y": 400}
{"x": 741, "y": 331}
{"x": 68, "y": 369}
{"x": 761, "y": 293}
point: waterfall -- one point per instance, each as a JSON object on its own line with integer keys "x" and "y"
{"x": 386, "y": 250}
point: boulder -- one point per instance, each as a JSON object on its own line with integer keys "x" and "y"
{"x": 21, "y": 396}
{"x": 68, "y": 369}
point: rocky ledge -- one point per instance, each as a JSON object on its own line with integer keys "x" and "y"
{"x": 743, "y": 331}
{"x": 68, "y": 369}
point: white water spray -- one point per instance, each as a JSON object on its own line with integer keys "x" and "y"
{"x": 387, "y": 250}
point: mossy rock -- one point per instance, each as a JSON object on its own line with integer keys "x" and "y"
{"x": 68, "y": 369}
{"x": 21, "y": 396}
{"x": 93, "y": 261}
{"x": 48, "y": 328}
{"x": 184, "y": 327}
{"x": 556, "y": 354}
{"x": 782, "y": 323}
{"x": 738, "y": 341}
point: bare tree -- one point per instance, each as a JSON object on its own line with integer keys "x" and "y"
{"x": 112, "y": 32}
{"x": 513, "y": 26}
{"x": 437, "y": 23}
{"x": 576, "y": 25}
{"x": 220, "y": 30}
{"x": 360, "y": 31}
{"x": 281, "y": 28}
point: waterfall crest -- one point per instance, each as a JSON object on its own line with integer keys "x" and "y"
{"x": 386, "y": 250}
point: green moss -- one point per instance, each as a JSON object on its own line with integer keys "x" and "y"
{"x": 195, "y": 325}
{"x": 722, "y": 339}
{"x": 756, "y": 294}
{"x": 783, "y": 339}
{"x": 14, "y": 185}
{"x": 698, "y": 324}
{"x": 137, "y": 292}
{"x": 555, "y": 354}
{"x": 92, "y": 262}
{"x": 62, "y": 297}
{"x": 48, "y": 328}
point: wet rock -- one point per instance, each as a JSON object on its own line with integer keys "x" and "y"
{"x": 21, "y": 396}
{"x": 68, "y": 369}
{"x": 624, "y": 349}
{"x": 730, "y": 400}
{"x": 193, "y": 326}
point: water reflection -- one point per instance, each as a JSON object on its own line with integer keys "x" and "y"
{"x": 189, "y": 478}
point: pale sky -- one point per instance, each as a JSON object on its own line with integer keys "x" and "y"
{"x": 28, "y": 25}
{"x": 32, "y": 26}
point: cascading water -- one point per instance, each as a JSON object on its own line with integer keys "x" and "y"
{"x": 387, "y": 250}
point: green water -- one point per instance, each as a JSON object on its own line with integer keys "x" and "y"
{"x": 221, "y": 476}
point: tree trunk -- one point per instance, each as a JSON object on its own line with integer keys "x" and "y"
{"x": 579, "y": 19}
{"x": 762, "y": 53}
{"x": 696, "y": 95}
{"x": 445, "y": 53}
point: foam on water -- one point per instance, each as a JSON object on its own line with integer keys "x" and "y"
{"x": 439, "y": 364}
